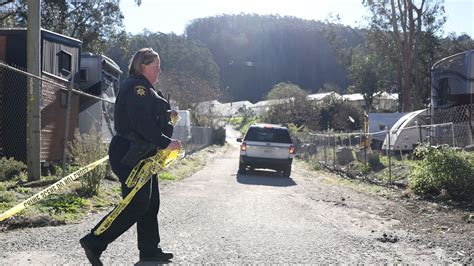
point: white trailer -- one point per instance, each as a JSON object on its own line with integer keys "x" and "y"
{"x": 405, "y": 134}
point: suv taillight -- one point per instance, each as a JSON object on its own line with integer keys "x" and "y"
{"x": 243, "y": 146}
{"x": 292, "y": 149}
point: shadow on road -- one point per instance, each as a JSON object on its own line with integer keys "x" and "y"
{"x": 151, "y": 263}
{"x": 264, "y": 178}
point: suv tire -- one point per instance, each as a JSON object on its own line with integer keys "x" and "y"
{"x": 287, "y": 171}
{"x": 242, "y": 169}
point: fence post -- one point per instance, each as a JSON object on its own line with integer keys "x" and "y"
{"x": 365, "y": 153}
{"x": 452, "y": 133}
{"x": 334, "y": 151}
{"x": 325, "y": 150}
{"x": 419, "y": 131}
{"x": 66, "y": 126}
{"x": 389, "y": 159}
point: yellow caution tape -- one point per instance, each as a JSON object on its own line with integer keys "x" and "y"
{"x": 138, "y": 177}
{"x": 51, "y": 189}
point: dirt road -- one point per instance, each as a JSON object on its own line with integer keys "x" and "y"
{"x": 219, "y": 216}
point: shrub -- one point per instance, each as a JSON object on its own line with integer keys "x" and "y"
{"x": 9, "y": 168}
{"x": 85, "y": 149}
{"x": 298, "y": 112}
{"x": 443, "y": 168}
{"x": 7, "y": 196}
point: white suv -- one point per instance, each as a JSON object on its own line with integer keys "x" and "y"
{"x": 267, "y": 146}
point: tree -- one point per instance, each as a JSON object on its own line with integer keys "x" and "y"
{"x": 297, "y": 112}
{"x": 284, "y": 90}
{"x": 454, "y": 44}
{"x": 186, "y": 88}
{"x": 189, "y": 75}
{"x": 92, "y": 22}
{"x": 335, "y": 115}
{"x": 364, "y": 74}
{"x": 256, "y": 52}
{"x": 406, "y": 20}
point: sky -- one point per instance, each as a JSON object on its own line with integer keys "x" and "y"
{"x": 173, "y": 15}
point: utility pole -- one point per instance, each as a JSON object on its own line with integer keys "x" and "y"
{"x": 33, "y": 123}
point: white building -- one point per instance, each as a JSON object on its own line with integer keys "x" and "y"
{"x": 235, "y": 108}
{"x": 324, "y": 96}
{"x": 261, "y": 107}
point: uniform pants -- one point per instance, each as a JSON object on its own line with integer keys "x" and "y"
{"x": 142, "y": 209}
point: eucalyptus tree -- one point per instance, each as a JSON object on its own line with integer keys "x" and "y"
{"x": 406, "y": 20}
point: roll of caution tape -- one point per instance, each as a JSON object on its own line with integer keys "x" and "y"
{"x": 137, "y": 178}
{"x": 51, "y": 189}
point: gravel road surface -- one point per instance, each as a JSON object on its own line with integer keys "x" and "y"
{"x": 219, "y": 216}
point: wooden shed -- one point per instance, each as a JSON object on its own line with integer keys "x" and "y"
{"x": 60, "y": 61}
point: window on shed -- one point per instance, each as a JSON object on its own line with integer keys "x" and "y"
{"x": 64, "y": 62}
{"x": 83, "y": 75}
{"x": 63, "y": 98}
{"x": 443, "y": 91}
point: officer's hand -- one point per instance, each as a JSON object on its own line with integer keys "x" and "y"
{"x": 174, "y": 116}
{"x": 174, "y": 145}
{"x": 173, "y": 112}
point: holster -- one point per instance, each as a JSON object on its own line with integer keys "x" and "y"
{"x": 139, "y": 148}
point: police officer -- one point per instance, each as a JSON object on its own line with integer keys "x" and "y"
{"x": 142, "y": 119}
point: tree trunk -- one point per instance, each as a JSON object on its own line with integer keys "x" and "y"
{"x": 407, "y": 38}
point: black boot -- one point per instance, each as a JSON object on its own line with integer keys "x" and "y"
{"x": 156, "y": 255}
{"x": 92, "y": 253}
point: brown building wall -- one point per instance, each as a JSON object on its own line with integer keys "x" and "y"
{"x": 53, "y": 118}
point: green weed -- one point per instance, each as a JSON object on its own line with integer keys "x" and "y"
{"x": 166, "y": 176}
{"x": 443, "y": 168}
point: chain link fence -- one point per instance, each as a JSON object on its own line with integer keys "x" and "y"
{"x": 13, "y": 91}
{"x": 356, "y": 153}
{"x": 462, "y": 118}
{"x": 54, "y": 105}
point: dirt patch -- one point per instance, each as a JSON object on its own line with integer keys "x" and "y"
{"x": 34, "y": 221}
{"x": 441, "y": 221}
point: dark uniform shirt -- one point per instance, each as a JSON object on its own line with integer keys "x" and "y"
{"x": 141, "y": 110}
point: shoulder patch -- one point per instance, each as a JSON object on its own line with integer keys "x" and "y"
{"x": 140, "y": 90}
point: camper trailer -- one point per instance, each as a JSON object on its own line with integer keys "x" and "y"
{"x": 452, "y": 103}
{"x": 98, "y": 76}
{"x": 406, "y": 133}
{"x": 452, "y": 95}
{"x": 453, "y": 81}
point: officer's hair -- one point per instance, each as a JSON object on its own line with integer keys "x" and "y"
{"x": 143, "y": 56}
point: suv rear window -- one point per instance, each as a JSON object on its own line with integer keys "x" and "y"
{"x": 278, "y": 135}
